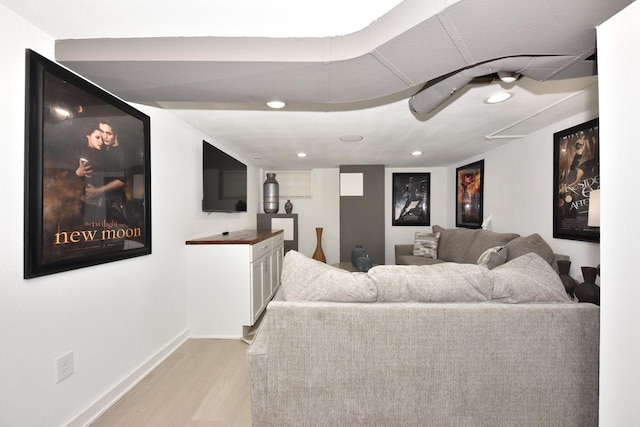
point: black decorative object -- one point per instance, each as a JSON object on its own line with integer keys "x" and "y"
{"x": 364, "y": 263}
{"x": 271, "y": 193}
{"x": 588, "y": 291}
{"x": 87, "y": 173}
{"x": 357, "y": 253}
{"x": 288, "y": 207}
{"x": 568, "y": 281}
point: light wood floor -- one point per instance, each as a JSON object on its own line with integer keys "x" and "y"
{"x": 203, "y": 383}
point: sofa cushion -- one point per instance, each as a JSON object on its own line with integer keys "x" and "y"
{"x": 426, "y": 244}
{"x": 520, "y": 246}
{"x": 483, "y": 259}
{"x": 527, "y": 279}
{"x": 454, "y": 243}
{"x": 416, "y": 260}
{"x": 305, "y": 279}
{"x": 484, "y": 240}
{"x": 444, "y": 282}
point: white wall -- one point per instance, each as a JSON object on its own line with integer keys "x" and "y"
{"x": 619, "y": 67}
{"x": 322, "y": 209}
{"x": 518, "y": 188}
{"x": 120, "y": 318}
{"x": 439, "y": 202}
{"x": 518, "y": 191}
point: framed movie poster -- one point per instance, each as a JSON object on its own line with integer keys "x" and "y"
{"x": 87, "y": 173}
{"x": 411, "y": 199}
{"x": 576, "y": 172}
{"x": 469, "y": 191}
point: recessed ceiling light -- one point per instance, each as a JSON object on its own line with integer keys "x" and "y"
{"x": 508, "y": 76}
{"x": 351, "y": 138}
{"x": 276, "y": 104}
{"x": 416, "y": 153}
{"x": 302, "y": 154}
{"x": 498, "y": 97}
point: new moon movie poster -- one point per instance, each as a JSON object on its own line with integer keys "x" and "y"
{"x": 87, "y": 176}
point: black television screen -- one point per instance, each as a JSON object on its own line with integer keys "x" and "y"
{"x": 224, "y": 181}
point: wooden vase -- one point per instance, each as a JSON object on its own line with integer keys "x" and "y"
{"x": 319, "y": 254}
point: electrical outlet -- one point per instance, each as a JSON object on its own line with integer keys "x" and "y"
{"x": 64, "y": 366}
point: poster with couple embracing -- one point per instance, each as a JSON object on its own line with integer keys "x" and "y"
{"x": 87, "y": 173}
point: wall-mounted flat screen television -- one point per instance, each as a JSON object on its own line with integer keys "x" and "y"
{"x": 224, "y": 181}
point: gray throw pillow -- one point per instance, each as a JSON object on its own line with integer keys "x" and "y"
{"x": 426, "y": 244}
{"x": 485, "y": 257}
{"x": 305, "y": 279}
{"x": 527, "y": 279}
{"x": 497, "y": 259}
{"x": 532, "y": 243}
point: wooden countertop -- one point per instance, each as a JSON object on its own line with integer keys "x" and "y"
{"x": 240, "y": 237}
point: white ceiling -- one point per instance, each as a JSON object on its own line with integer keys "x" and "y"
{"x": 229, "y": 56}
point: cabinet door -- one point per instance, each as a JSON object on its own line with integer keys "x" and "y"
{"x": 276, "y": 267}
{"x": 266, "y": 279}
{"x": 257, "y": 280}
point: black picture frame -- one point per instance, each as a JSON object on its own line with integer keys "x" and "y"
{"x": 469, "y": 195}
{"x": 87, "y": 173}
{"x": 576, "y": 172}
{"x": 411, "y": 204}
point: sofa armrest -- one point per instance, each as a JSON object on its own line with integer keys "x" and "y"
{"x": 403, "y": 249}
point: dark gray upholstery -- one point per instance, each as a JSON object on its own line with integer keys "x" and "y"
{"x": 463, "y": 245}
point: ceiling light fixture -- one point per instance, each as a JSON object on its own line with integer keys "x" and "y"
{"x": 508, "y": 76}
{"x": 302, "y": 154}
{"x": 351, "y": 138}
{"x": 498, "y": 97}
{"x": 416, "y": 153}
{"x": 276, "y": 105}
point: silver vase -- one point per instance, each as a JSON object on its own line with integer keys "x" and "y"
{"x": 271, "y": 194}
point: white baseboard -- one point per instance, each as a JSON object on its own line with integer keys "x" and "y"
{"x": 101, "y": 405}
{"x": 215, "y": 337}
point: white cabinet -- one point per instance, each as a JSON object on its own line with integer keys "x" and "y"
{"x": 230, "y": 280}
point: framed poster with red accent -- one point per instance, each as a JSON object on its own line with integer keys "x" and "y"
{"x": 469, "y": 194}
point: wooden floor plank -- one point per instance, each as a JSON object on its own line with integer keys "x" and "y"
{"x": 203, "y": 383}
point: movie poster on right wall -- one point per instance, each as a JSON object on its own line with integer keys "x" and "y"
{"x": 576, "y": 170}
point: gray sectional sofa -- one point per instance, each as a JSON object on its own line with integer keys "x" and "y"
{"x": 443, "y": 345}
{"x": 462, "y": 245}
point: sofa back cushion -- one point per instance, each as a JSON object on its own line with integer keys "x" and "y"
{"x": 484, "y": 240}
{"x": 454, "y": 243}
{"x": 465, "y": 245}
{"x": 305, "y": 279}
{"x": 527, "y": 279}
{"x": 445, "y": 282}
{"x": 519, "y": 246}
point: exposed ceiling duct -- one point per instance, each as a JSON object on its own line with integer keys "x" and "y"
{"x": 359, "y": 83}
{"x": 543, "y": 39}
{"x": 540, "y": 68}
